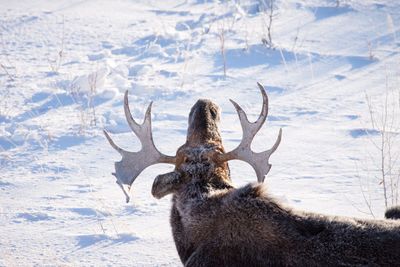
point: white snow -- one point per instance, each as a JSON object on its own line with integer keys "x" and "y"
{"x": 66, "y": 64}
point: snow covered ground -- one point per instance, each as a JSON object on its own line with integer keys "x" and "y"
{"x": 66, "y": 64}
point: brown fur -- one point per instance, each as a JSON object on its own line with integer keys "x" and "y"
{"x": 214, "y": 224}
{"x": 245, "y": 227}
{"x": 393, "y": 213}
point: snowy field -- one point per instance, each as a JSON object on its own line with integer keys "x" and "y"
{"x": 66, "y": 64}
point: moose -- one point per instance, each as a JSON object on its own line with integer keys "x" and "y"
{"x": 215, "y": 224}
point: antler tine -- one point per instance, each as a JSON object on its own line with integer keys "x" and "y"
{"x": 120, "y": 150}
{"x": 250, "y": 129}
{"x": 145, "y": 127}
{"x": 133, "y": 163}
{"x": 259, "y": 161}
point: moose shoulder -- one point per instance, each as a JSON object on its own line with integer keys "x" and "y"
{"x": 215, "y": 224}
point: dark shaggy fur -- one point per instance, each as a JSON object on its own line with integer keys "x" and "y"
{"x": 245, "y": 227}
{"x": 214, "y": 224}
{"x": 393, "y": 213}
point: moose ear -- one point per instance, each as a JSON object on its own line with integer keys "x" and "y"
{"x": 165, "y": 184}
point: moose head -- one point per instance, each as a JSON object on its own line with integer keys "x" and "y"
{"x": 202, "y": 157}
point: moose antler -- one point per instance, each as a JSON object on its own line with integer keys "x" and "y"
{"x": 133, "y": 163}
{"x": 259, "y": 161}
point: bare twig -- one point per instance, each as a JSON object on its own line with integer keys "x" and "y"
{"x": 371, "y": 55}
{"x": 367, "y": 201}
{"x": 6, "y": 71}
{"x": 221, "y": 35}
{"x": 387, "y": 124}
{"x": 55, "y": 64}
{"x": 267, "y": 39}
{"x": 92, "y": 80}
